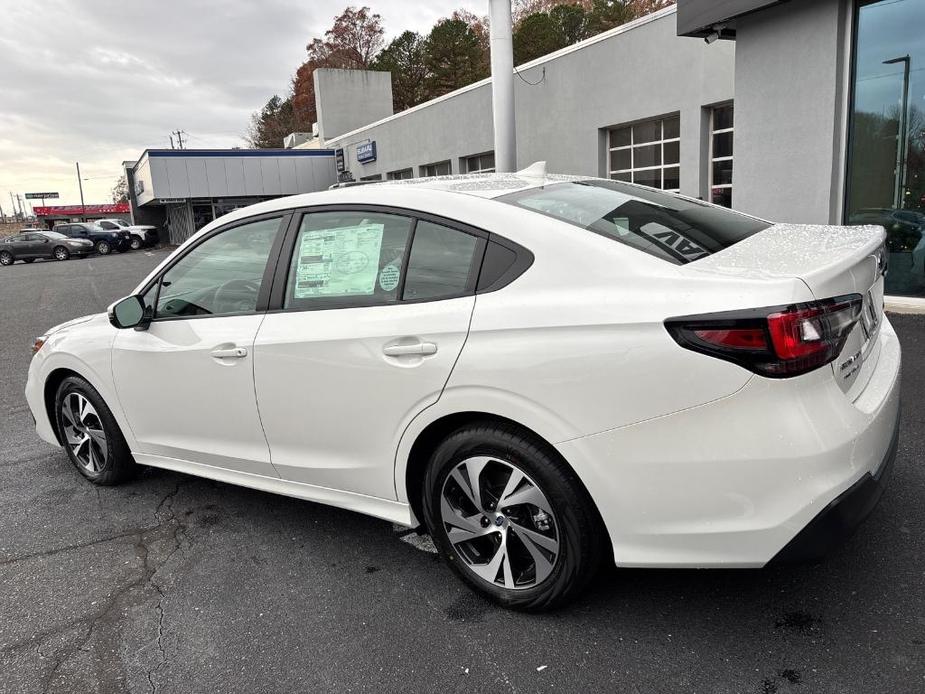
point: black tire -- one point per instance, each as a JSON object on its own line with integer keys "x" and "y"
{"x": 103, "y": 247}
{"x": 28, "y": 260}
{"x": 61, "y": 253}
{"x": 118, "y": 464}
{"x": 6, "y": 258}
{"x": 135, "y": 243}
{"x": 575, "y": 521}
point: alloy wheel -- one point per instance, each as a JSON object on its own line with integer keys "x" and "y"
{"x": 135, "y": 244}
{"x": 84, "y": 432}
{"x": 6, "y": 259}
{"x": 61, "y": 253}
{"x": 500, "y": 523}
{"x": 103, "y": 248}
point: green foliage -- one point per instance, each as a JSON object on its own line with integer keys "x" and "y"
{"x": 271, "y": 124}
{"x": 406, "y": 58}
{"x": 454, "y": 57}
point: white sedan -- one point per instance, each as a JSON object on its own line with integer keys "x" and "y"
{"x": 546, "y": 372}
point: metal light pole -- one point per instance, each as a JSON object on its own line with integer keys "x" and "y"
{"x": 83, "y": 208}
{"x": 899, "y": 187}
{"x": 502, "y": 85}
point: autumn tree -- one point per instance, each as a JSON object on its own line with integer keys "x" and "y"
{"x": 406, "y": 58}
{"x": 352, "y": 43}
{"x": 454, "y": 57}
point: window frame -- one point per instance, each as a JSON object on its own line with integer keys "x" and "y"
{"x": 464, "y": 165}
{"x": 436, "y": 165}
{"x": 524, "y": 258}
{"x": 713, "y": 159}
{"x": 399, "y": 174}
{"x": 266, "y": 283}
{"x": 661, "y": 141}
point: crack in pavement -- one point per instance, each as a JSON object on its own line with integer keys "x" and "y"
{"x": 168, "y": 528}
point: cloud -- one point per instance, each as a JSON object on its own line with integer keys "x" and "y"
{"x": 98, "y": 81}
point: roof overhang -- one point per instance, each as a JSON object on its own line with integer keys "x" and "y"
{"x": 716, "y": 18}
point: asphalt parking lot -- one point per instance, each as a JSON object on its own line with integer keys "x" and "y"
{"x": 176, "y": 584}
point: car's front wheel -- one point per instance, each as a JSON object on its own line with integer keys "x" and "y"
{"x": 103, "y": 247}
{"x": 90, "y": 434}
{"x": 510, "y": 518}
{"x": 6, "y": 258}
{"x": 61, "y": 253}
{"x": 135, "y": 243}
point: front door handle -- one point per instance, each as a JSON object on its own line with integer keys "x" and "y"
{"x": 417, "y": 349}
{"x": 230, "y": 353}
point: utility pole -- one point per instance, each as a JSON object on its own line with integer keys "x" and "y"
{"x": 83, "y": 208}
{"x": 13, "y": 205}
{"x": 502, "y": 84}
{"x": 22, "y": 210}
{"x": 179, "y": 134}
{"x": 171, "y": 141}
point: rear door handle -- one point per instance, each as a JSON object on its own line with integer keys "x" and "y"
{"x": 419, "y": 348}
{"x": 230, "y": 353}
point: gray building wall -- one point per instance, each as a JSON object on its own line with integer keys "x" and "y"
{"x": 172, "y": 174}
{"x": 348, "y": 99}
{"x": 639, "y": 71}
{"x": 790, "y": 69}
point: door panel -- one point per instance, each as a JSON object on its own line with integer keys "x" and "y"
{"x": 183, "y": 402}
{"x": 333, "y": 402}
{"x": 186, "y": 383}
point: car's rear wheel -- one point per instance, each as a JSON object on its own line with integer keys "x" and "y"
{"x": 90, "y": 434}
{"x": 6, "y": 258}
{"x": 135, "y": 243}
{"x": 61, "y": 253}
{"x": 103, "y": 247}
{"x": 510, "y": 518}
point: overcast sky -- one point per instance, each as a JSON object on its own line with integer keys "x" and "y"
{"x": 99, "y": 81}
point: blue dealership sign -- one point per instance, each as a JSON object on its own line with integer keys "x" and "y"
{"x": 366, "y": 152}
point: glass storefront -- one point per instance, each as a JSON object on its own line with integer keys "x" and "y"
{"x": 886, "y": 143}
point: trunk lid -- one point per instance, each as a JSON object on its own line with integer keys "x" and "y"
{"x": 832, "y": 261}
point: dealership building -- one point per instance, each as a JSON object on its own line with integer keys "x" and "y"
{"x": 795, "y": 111}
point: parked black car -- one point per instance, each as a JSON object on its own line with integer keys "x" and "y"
{"x": 104, "y": 241}
{"x": 30, "y": 244}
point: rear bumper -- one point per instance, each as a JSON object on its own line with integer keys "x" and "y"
{"x": 733, "y": 482}
{"x": 838, "y": 521}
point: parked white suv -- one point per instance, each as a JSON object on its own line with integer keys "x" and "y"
{"x": 142, "y": 234}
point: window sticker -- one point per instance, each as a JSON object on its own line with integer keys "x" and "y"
{"x": 338, "y": 262}
{"x": 388, "y": 277}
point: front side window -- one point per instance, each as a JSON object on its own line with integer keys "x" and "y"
{"x": 347, "y": 258}
{"x": 669, "y": 227}
{"x": 221, "y": 276}
{"x": 648, "y": 153}
{"x": 108, "y": 225}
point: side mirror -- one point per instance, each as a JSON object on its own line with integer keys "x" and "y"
{"x": 130, "y": 312}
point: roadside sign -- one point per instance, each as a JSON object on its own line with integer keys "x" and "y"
{"x": 366, "y": 152}
{"x": 40, "y": 196}
{"x": 339, "y": 160}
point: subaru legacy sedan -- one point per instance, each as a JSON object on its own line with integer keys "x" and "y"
{"x": 544, "y": 372}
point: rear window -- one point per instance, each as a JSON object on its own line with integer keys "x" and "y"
{"x": 664, "y": 225}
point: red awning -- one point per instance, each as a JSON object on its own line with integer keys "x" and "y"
{"x": 77, "y": 210}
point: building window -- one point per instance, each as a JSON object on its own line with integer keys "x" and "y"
{"x": 400, "y": 175}
{"x": 721, "y": 121}
{"x": 480, "y": 163}
{"x": 886, "y": 136}
{"x": 373, "y": 177}
{"x": 441, "y": 168}
{"x": 648, "y": 153}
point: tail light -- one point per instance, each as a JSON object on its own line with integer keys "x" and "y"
{"x": 778, "y": 342}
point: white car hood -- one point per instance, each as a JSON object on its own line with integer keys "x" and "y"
{"x": 76, "y": 321}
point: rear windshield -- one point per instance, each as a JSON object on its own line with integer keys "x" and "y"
{"x": 661, "y": 224}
